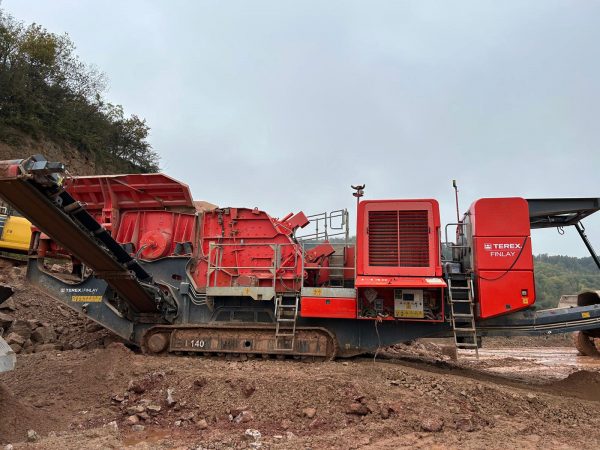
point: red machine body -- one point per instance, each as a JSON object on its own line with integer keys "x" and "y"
{"x": 240, "y": 247}
{"x": 149, "y": 213}
{"x": 154, "y": 216}
{"x": 502, "y": 255}
{"x": 248, "y": 252}
{"x": 398, "y": 260}
{"x": 329, "y": 307}
{"x": 172, "y": 275}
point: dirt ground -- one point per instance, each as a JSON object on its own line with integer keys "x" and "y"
{"x": 531, "y": 393}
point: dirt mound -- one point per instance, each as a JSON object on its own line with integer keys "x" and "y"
{"x": 103, "y": 395}
{"x": 583, "y": 383}
{"x": 423, "y": 349}
{"x": 16, "y": 417}
{"x": 165, "y": 402}
{"x": 203, "y": 206}
{"x": 75, "y": 396}
{"x": 33, "y": 321}
{"x": 553, "y": 340}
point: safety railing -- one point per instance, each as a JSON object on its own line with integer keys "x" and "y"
{"x": 276, "y": 263}
{"x": 326, "y": 225}
{"x": 334, "y": 227}
{"x": 337, "y": 268}
{"x": 460, "y": 244}
{"x": 279, "y": 262}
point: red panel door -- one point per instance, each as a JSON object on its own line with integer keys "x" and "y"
{"x": 399, "y": 237}
{"x": 502, "y": 292}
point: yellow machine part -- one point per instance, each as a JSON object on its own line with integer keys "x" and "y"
{"x": 16, "y": 234}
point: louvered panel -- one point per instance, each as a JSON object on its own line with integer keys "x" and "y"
{"x": 413, "y": 238}
{"x": 398, "y": 238}
{"x": 383, "y": 238}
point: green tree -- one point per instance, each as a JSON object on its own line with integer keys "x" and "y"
{"x": 47, "y": 91}
{"x": 556, "y": 275}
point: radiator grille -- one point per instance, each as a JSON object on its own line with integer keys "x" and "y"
{"x": 398, "y": 238}
{"x": 383, "y": 238}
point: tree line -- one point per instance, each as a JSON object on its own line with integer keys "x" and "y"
{"x": 557, "y": 275}
{"x": 47, "y": 92}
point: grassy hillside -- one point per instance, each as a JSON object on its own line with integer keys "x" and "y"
{"x": 557, "y": 275}
{"x": 49, "y": 96}
{"x": 77, "y": 162}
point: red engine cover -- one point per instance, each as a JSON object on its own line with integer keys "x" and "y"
{"x": 398, "y": 238}
{"x": 502, "y": 255}
{"x": 500, "y": 217}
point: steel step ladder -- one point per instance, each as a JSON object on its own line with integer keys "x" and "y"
{"x": 286, "y": 315}
{"x": 460, "y": 294}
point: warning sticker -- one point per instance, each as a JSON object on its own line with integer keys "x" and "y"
{"x": 86, "y": 298}
{"x": 408, "y": 303}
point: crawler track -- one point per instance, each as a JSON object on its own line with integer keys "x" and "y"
{"x": 309, "y": 343}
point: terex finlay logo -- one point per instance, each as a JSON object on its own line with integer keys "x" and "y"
{"x": 502, "y": 249}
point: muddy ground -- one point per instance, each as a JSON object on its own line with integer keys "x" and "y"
{"x": 84, "y": 390}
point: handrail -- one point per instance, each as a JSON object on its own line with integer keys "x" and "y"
{"x": 215, "y": 255}
{"x": 453, "y": 245}
{"x": 326, "y": 220}
{"x": 274, "y": 268}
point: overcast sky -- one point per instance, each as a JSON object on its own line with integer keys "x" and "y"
{"x": 283, "y": 104}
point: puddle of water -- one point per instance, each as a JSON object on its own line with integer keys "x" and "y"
{"x": 535, "y": 362}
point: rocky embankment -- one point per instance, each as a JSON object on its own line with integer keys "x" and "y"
{"x": 33, "y": 322}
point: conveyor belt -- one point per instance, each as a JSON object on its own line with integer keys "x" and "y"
{"x": 32, "y": 188}
{"x": 543, "y": 322}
